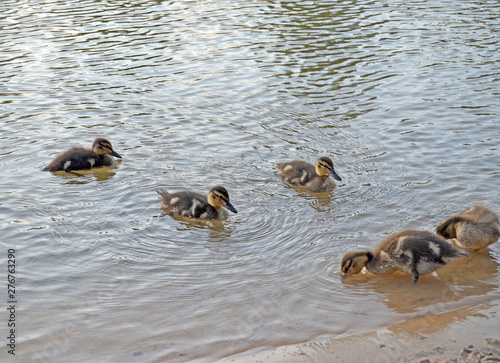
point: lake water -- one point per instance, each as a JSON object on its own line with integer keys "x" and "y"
{"x": 402, "y": 95}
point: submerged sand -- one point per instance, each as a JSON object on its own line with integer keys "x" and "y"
{"x": 462, "y": 335}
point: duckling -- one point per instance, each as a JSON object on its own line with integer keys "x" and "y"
{"x": 473, "y": 229}
{"x": 409, "y": 251}
{"x": 195, "y": 205}
{"x": 78, "y": 158}
{"x": 315, "y": 178}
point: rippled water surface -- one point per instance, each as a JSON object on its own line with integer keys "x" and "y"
{"x": 403, "y": 95}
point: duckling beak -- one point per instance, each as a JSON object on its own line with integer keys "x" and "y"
{"x": 335, "y": 175}
{"x": 115, "y": 154}
{"x": 230, "y": 207}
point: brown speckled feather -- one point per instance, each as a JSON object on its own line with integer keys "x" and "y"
{"x": 409, "y": 251}
{"x": 188, "y": 204}
{"x": 299, "y": 173}
{"x": 304, "y": 175}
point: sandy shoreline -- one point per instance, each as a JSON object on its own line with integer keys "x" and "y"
{"x": 462, "y": 335}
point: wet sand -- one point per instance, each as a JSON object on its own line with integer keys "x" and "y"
{"x": 463, "y": 335}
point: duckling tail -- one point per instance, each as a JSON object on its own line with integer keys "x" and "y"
{"x": 163, "y": 194}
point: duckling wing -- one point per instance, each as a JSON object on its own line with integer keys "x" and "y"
{"x": 75, "y": 159}
{"x": 188, "y": 204}
{"x": 297, "y": 172}
{"x": 418, "y": 252}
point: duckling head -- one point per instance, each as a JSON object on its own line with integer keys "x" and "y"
{"x": 103, "y": 147}
{"x": 447, "y": 228}
{"x": 353, "y": 262}
{"x": 219, "y": 197}
{"x": 324, "y": 168}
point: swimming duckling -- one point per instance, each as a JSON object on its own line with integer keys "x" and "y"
{"x": 78, "y": 158}
{"x": 195, "y": 205}
{"x": 473, "y": 229}
{"x": 315, "y": 178}
{"x": 409, "y": 251}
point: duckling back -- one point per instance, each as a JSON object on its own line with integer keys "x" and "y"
{"x": 319, "y": 178}
{"x": 297, "y": 172}
{"x": 473, "y": 229}
{"x": 79, "y": 158}
{"x": 416, "y": 252}
{"x": 188, "y": 204}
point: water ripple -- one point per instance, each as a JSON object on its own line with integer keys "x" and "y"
{"x": 402, "y": 95}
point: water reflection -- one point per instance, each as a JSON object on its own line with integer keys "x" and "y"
{"x": 215, "y": 225}
{"x": 226, "y": 90}
{"x": 86, "y": 176}
{"x": 435, "y": 293}
{"x": 319, "y": 201}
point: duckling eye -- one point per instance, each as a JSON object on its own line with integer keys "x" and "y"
{"x": 220, "y": 197}
{"x": 348, "y": 265}
{"x": 325, "y": 166}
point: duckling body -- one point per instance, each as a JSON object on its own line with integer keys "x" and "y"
{"x": 195, "y": 205}
{"x": 409, "y": 251}
{"x": 319, "y": 178}
{"x": 79, "y": 158}
{"x": 473, "y": 229}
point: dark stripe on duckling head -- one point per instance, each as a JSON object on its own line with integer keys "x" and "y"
{"x": 326, "y": 162}
{"x": 102, "y": 146}
{"x": 221, "y": 193}
{"x": 346, "y": 266}
{"x": 353, "y": 262}
{"x": 102, "y": 142}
